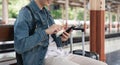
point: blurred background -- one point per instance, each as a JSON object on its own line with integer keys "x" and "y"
{"x": 77, "y": 12}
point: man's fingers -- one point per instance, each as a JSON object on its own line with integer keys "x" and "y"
{"x": 57, "y": 28}
{"x": 70, "y": 31}
{"x": 65, "y": 36}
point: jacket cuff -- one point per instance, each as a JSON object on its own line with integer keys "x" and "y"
{"x": 43, "y": 35}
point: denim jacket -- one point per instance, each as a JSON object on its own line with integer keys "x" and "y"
{"x": 33, "y": 47}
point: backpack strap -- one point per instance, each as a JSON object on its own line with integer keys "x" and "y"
{"x": 33, "y": 19}
{"x": 19, "y": 59}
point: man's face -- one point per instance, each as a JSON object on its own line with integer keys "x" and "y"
{"x": 45, "y": 2}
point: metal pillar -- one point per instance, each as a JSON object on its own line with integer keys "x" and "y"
{"x": 97, "y": 28}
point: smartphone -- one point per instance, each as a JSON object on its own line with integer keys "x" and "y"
{"x": 70, "y": 28}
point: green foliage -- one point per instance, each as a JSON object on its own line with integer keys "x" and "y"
{"x": 12, "y": 13}
{"x": 15, "y": 6}
{"x": 113, "y": 18}
{"x": 80, "y": 15}
{"x": 0, "y": 8}
{"x": 71, "y": 13}
{"x": 108, "y": 15}
{"x": 56, "y": 14}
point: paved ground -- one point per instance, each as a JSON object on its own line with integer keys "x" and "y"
{"x": 112, "y": 50}
{"x": 113, "y": 58}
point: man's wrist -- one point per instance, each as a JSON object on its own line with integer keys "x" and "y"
{"x": 46, "y": 31}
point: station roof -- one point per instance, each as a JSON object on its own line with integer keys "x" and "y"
{"x": 111, "y": 5}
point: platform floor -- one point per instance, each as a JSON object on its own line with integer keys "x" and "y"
{"x": 112, "y": 50}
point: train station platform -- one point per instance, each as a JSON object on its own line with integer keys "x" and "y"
{"x": 103, "y": 42}
{"x": 112, "y": 51}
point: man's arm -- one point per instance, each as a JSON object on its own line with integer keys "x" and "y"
{"x": 24, "y": 42}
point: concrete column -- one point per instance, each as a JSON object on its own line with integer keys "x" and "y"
{"x": 97, "y": 28}
{"x": 67, "y": 8}
{"x": 118, "y": 18}
{"x": 62, "y": 6}
{"x": 85, "y": 15}
{"x": 110, "y": 21}
{"x": 63, "y": 14}
{"x": 5, "y": 11}
{"x": 75, "y": 13}
{"x": 66, "y": 12}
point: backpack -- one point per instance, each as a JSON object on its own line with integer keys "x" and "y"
{"x": 19, "y": 56}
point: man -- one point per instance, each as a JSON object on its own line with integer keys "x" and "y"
{"x": 32, "y": 44}
{"x": 32, "y": 38}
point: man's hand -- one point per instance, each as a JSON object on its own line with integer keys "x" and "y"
{"x": 65, "y": 36}
{"x": 53, "y": 29}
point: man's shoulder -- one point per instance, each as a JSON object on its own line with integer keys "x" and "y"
{"x": 25, "y": 12}
{"x": 24, "y": 9}
{"x": 24, "y": 15}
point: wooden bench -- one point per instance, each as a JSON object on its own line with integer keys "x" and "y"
{"x": 7, "y": 34}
